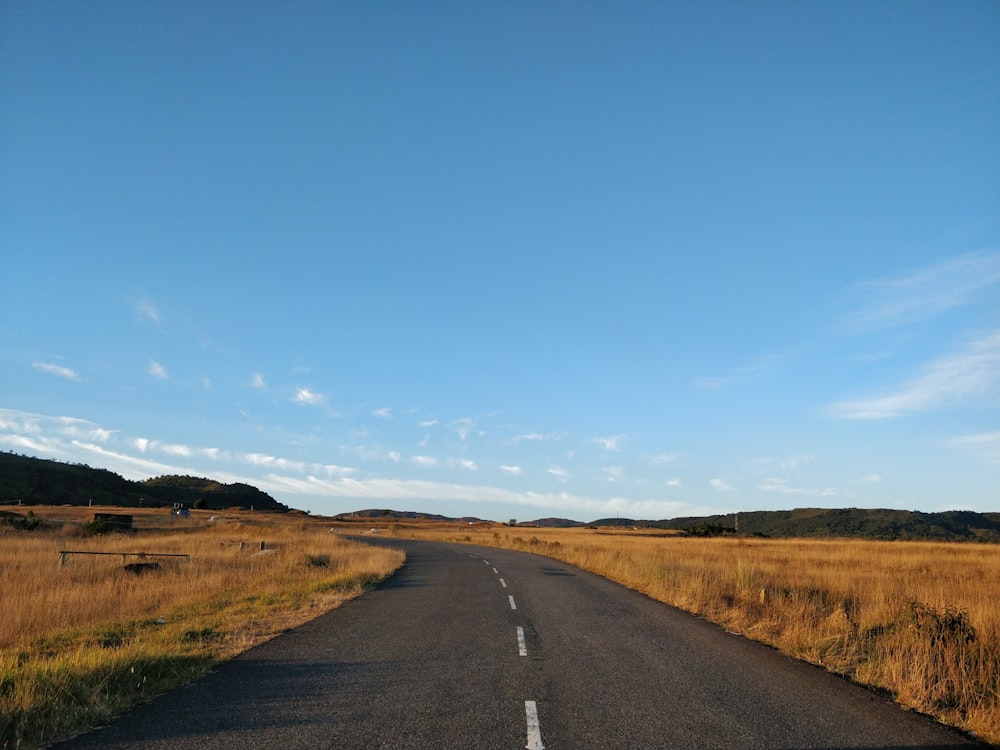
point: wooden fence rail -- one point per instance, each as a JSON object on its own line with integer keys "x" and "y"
{"x": 64, "y": 553}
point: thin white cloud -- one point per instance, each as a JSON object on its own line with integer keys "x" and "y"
{"x": 57, "y": 370}
{"x": 870, "y": 478}
{"x": 792, "y": 463}
{"x": 393, "y": 456}
{"x": 427, "y": 423}
{"x": 761, "y": 364}
{"x": 157, "y": 370}
{"x": 384, "y": 413}
{"x": 559, "y": 473}
{"x": 307, "y": 397}
{"x": 467, "y": 464}
{"x": 31, "y": 423}
{"x": 613, "y": 473}
{"x": 145, "y": 309}
{"x": 258, "y": 382}
{"x": 427, "y": 462}
{"x": 673, "y": 482}
{"x": 782, "y": 487}
{"x": 174, "y": 449}
{"x": 512, "y": 470}
{"x": 956, "y": 378}
{"x": 609, "y": 443}
{"x": 535, "y": 437}
{"x": 924, "y": 292}
{"x": 666, "y": 458}
{"x": 462, "y": 426}
{"x": 720, "y": 485}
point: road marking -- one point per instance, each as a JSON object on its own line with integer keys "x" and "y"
{"x": 503, "y": 583}
{"x": 534, "y": 728}
{"x": 486, "y": 561}
{"x": 512, "y": 605}
{"x": 522, "y": 647}
{"x": 496, "y": 571}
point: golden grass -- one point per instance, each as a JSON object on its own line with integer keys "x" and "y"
{"x": 84, "y": 640}
{"x": 920, "y": 620}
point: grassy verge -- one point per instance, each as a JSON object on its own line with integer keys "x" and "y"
{"x": 83, "y": 641}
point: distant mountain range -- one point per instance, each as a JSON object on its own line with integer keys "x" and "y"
{"x": 952, "y": 525}
{"x": 38, "y": 481}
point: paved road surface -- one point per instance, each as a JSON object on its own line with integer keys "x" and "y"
{"x": 471, "y": 647}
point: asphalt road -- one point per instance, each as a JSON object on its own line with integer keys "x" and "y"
{"x": 472, "y": 647}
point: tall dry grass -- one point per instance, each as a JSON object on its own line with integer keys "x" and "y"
{"x": 83, "y": 640}
{"x": 920, "y": 620}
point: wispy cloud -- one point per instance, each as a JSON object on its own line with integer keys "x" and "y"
{"x": 559, "y": 473}
{"x": 756, "y": 366}
{"x": 666, "y": 458}
{"x": 146, "y": 309}
{"x": 57, "y": 370}
{"x": 613, "y": 473}
{"x": 157, "y": 370}
{"x": 427, "y": 462}
{"x": 923, "y": 292}
{"x": 961, "y": 377}
{"x": 720, "y": 485}
{"x": 384, "y": 413}
{"x": 610, "y": 443}
{"x": 307, "y": 397}
{"x": 427, "y": 423}
{"x": 462, "y": 426}
{"x": 782, "y": 487}
{"x": 533, "y": 437}
{"x": 512, "y": 470}
{"x": 258, "y": 381}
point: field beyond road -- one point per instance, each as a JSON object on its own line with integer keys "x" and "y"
{"x": 917, "y": 619}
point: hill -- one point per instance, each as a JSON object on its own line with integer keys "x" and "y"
{"x": 954, "y": 525}
{"x": 38, "y": 481}
{"x": 410, "y": 515}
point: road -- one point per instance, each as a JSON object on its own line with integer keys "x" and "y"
{"x": 472, "y": 647}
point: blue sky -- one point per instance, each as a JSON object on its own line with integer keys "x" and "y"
{"x": 508, "y": 259}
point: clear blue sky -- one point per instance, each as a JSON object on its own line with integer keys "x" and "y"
{"x": 581, "y": 259}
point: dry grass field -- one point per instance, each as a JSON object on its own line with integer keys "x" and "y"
{"x": 920, "y": 620}
{"x": 81, "y": 638}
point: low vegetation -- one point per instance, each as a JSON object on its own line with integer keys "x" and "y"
{"x": 82, "y": 638}
{"x": 917, "y": 619}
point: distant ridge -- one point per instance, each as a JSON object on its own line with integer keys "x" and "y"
{"x": 39, "y": 481}
{"x": 860, "y": 523}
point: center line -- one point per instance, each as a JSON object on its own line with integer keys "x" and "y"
{"x": 534, "y": 728}
{"x": 495, "y": 570}
{"x": 522, "y": 647}
{"x": 503, "y": 583}
{"x": 512, "y": 605}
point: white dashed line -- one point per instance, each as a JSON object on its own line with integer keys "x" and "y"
{"x": 486, "y": 561}
{"x": 495, "y": 571}
{"x": 522, "y": 647}
{"x": 512, "y": 605}
{"x": 534, "y": 728}
{"x": 503, "y": 583}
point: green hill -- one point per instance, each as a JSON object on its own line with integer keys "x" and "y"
{"x": 38, "y": 481}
